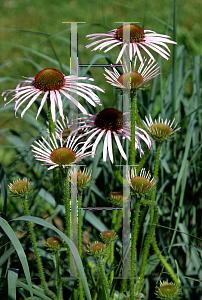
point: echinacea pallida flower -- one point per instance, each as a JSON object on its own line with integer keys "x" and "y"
{"x": 55, "y": 155}
{"x": 160, "y": 130}
{"x": 110, "y": 122}
{"x": 134, "y": 78}
{"x": 139, "y": 40}
{"x": 52, "y": 83}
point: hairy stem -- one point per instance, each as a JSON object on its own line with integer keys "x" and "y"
{"x": 153, "y": 223}
{"x": 80, "y": 240}
{"x": 39, "y": 263}
{"x": 164, "y": 262}
{"x": 65, "y": 184}
{"x": 104, "y": 279}
{"x": 133, "y": 247}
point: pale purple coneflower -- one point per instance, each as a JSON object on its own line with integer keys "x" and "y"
{"x": 160, "y": 130}
{"x": 139, "y": 40}
{"x": 134, "y": 78}
{"x": 110, "y": 122}
{"x": 55, "y": 154}
{"x": 52, "y": 83}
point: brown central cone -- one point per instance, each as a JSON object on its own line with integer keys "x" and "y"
{"x": 63, "y": 156}
{"x": 136, "y": 33}
{"x": 133, "y": 79}
{"x": 110, "y": 119}
{"x": 49, "y": 80}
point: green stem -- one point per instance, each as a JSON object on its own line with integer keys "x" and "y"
{"x": 112, "y": 246}
{"x": 133, "y": 247}
{"x": 39, "y": 263}
{"x": 104, "y": 279}
{"x": 58, "y": 285}
{"x": 79, "y": 224}
{"x": 147, "y": 242}
{"x": 65, "y": 184}
{"x": 118, "y": 220}
{"x": 164, "y": 262}
{"x": 156, "y": 167}
{"x": 80, "y": 240}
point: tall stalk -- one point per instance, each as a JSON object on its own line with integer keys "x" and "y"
{"x": 39, "y": 263}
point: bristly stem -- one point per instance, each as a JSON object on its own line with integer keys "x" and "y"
{"x": 164, "y": 262}
{"x": 112, "y": 247}
{"x": 59, "y": 286}
{"x": 156, "y": 167}
{"x": 104, "y": 279}
{"x": 39, "y": 263}
{"x": 153, "y": 223}
{"x": 80, "y": 238}
{"x": 133, "y": 246}
{"x": 65, "y": 185}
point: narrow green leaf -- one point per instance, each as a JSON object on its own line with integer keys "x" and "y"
{"x": 3, "y": 188}
{"x": 6, "y": 255}
{"x": 18, "y": 247}
{"x": 12, "y": 281}
{"x": 39, "y": 292}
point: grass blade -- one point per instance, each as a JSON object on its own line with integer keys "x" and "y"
{"x": 18, "y": 247}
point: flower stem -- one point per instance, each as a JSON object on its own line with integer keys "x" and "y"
{"x": 65, "y": 183}
{"x": 118, "y": 220}
{"x": 164, "y": 262}
{"x": 112, "y": 246}
{"x": 153, "y": 223}
{"x": 39, "y": 263}
{"x": 58, "y": 285}
{"x": 133, "y": 247}
{"x": 156, "y": 167}
{"x": 80, "y": 240}
{"x": 104, "y": 279}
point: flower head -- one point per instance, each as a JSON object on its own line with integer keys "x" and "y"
{"x": 19, "y": 187}
{"x": 139, "y": 39}
{"x": 55, "y": 155}
{"x": 160, "y": 130}
{"x": 81, "y": 179}
{"x": 116, "y": 199}
{"x": 52, "y": 83}
{"x": 111, "y": 122}
{"x": 108, "y": 236}
{"x": 168, "y": 290}
{"x": 131, "y": 81}
{"x": 54, "y": 243}
{"x": 141, "y": 184}
{"x": 96, "y": 249}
